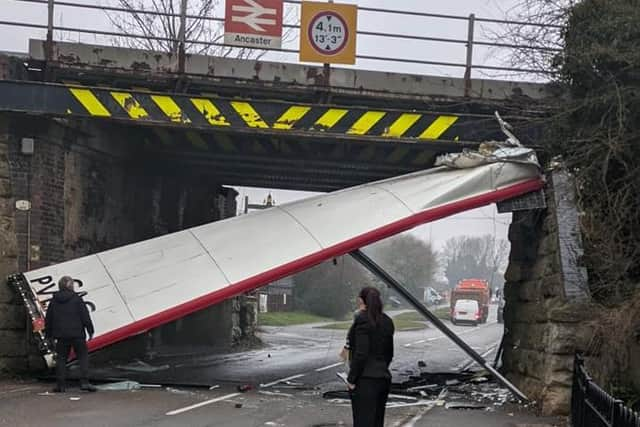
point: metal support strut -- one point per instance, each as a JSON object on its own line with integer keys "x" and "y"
{"x": 374, "y": 268}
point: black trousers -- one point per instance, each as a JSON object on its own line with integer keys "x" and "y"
{"x": 63, "y": 347}
{"x": 369, "y": 400}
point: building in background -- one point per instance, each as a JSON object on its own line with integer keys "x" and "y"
{"x": 277, "y": 296}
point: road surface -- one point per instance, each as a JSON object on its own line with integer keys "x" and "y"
{"x": 305, "y": 355}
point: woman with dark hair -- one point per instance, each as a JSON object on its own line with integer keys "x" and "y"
{"x": 371, "y": 345}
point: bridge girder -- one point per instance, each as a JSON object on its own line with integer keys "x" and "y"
{"x": 290, "y": 142}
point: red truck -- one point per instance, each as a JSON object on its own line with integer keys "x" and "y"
{"x": 473, "y": 289}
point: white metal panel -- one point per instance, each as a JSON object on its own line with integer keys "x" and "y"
{"x": 428, "y": 189}
{"x": 343, "y": 215}
{"x": 87, "y": 271}
{"x": 160, "y": 273}
{"x": 91, "y": 277}
{"x": 171, "y": 284}
{"x": 251, "y": 244}
{"x": 111, "y": 312}
{"x": 143, "y": 257}
{"x": 146, "y": 284}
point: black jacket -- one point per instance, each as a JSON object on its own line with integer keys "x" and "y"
{"x": 371, "y": 348}
{"x": 67, "y": 316}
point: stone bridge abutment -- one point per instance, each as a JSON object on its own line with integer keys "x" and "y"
{"x": 548, "y": 309}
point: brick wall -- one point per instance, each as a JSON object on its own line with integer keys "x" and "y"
{"x": 13, "y": 345}
{"x": 92, "y": 190}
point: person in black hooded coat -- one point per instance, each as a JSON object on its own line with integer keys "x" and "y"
{"x": 371, "y": 342}
{"x": 66, "y": 321}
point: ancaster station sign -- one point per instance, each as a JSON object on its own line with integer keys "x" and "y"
{"x": 253, "y": 23}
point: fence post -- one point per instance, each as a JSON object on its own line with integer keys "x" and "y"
{"x": 182, "y": 36}
{"x": 583, "y": 387}
{"x": 469, "y": 62}
{"x": 48, "y": 54}
{"x": 616, "y": 412}
{"x": 576, "y": 395}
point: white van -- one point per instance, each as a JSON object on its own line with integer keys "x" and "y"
{"x": 467, "y": 311}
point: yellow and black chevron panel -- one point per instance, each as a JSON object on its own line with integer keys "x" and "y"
{"x": 206, "y": 112}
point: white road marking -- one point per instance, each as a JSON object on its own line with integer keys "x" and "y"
{"x": 329, "y": 367}
{"x": 16, "y": 390}
{"x": 468, "y": 331}
{"x": 470, "y": 362}
{"x": 412, "y": 422}
{"x": 293, "y": 377}
{"x": 198, "y": 405}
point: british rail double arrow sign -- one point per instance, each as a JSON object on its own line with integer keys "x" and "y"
{"x": 215, "y": 113}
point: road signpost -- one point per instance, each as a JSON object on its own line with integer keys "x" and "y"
{"x": 253, "y": 23}
{"x": 328, "y": 33}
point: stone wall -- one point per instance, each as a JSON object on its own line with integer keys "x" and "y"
{"x": 544, "y": 323}
{"x": 92, "y": 190}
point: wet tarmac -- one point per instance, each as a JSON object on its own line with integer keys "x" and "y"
{"x": 282, "y": 385}
{"x": 311, "y": 352}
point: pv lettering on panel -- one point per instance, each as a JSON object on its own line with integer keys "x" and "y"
{"x": 44, "y": 288}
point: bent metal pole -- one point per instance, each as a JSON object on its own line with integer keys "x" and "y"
{"x": 370, "y": 265}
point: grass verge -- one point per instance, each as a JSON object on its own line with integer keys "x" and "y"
{"x": 289, "y": 318}
{"x": 401, "y": 324}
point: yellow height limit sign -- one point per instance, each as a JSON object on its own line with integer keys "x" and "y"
{"x": 328, "y": 32}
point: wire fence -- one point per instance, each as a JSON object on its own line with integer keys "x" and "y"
{"x": 373, "y": 46}
{"x": 591, "y": 406}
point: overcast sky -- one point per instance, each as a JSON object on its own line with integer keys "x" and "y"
{"x": 477, "y": 222}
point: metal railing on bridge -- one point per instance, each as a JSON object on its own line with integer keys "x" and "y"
{"x": 109, "y": 34}
{"x": 591, "y": 406}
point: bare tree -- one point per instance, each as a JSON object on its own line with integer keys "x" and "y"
{"x": 536, "y": 27}
{"x": 410, "y": 260}
{"x": 482, "y": 257}
{"x": 329, "y": 289}
{"x": 156, "y": 25}
{"x": 594, "y": 127}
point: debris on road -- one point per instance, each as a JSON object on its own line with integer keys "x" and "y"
{"x": 275, "y": 393}
{"x": 74, "y": 398}
{"x": 177, "y": 391}
{"x": 293, "y": 384}
{"x": 418, "y": 403}
{"x": 400, "y": 396}
{"x": 462, "y": 386}
{"x": 120, "y": 386}
{"x": 462, "y": 390}
{"x": 140, "y": 366}
{"x": 282, "y": 380}
{"x": 336, "y": 394}
{"x": 244, "y": 388}
{"x": 464, "y": 405}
